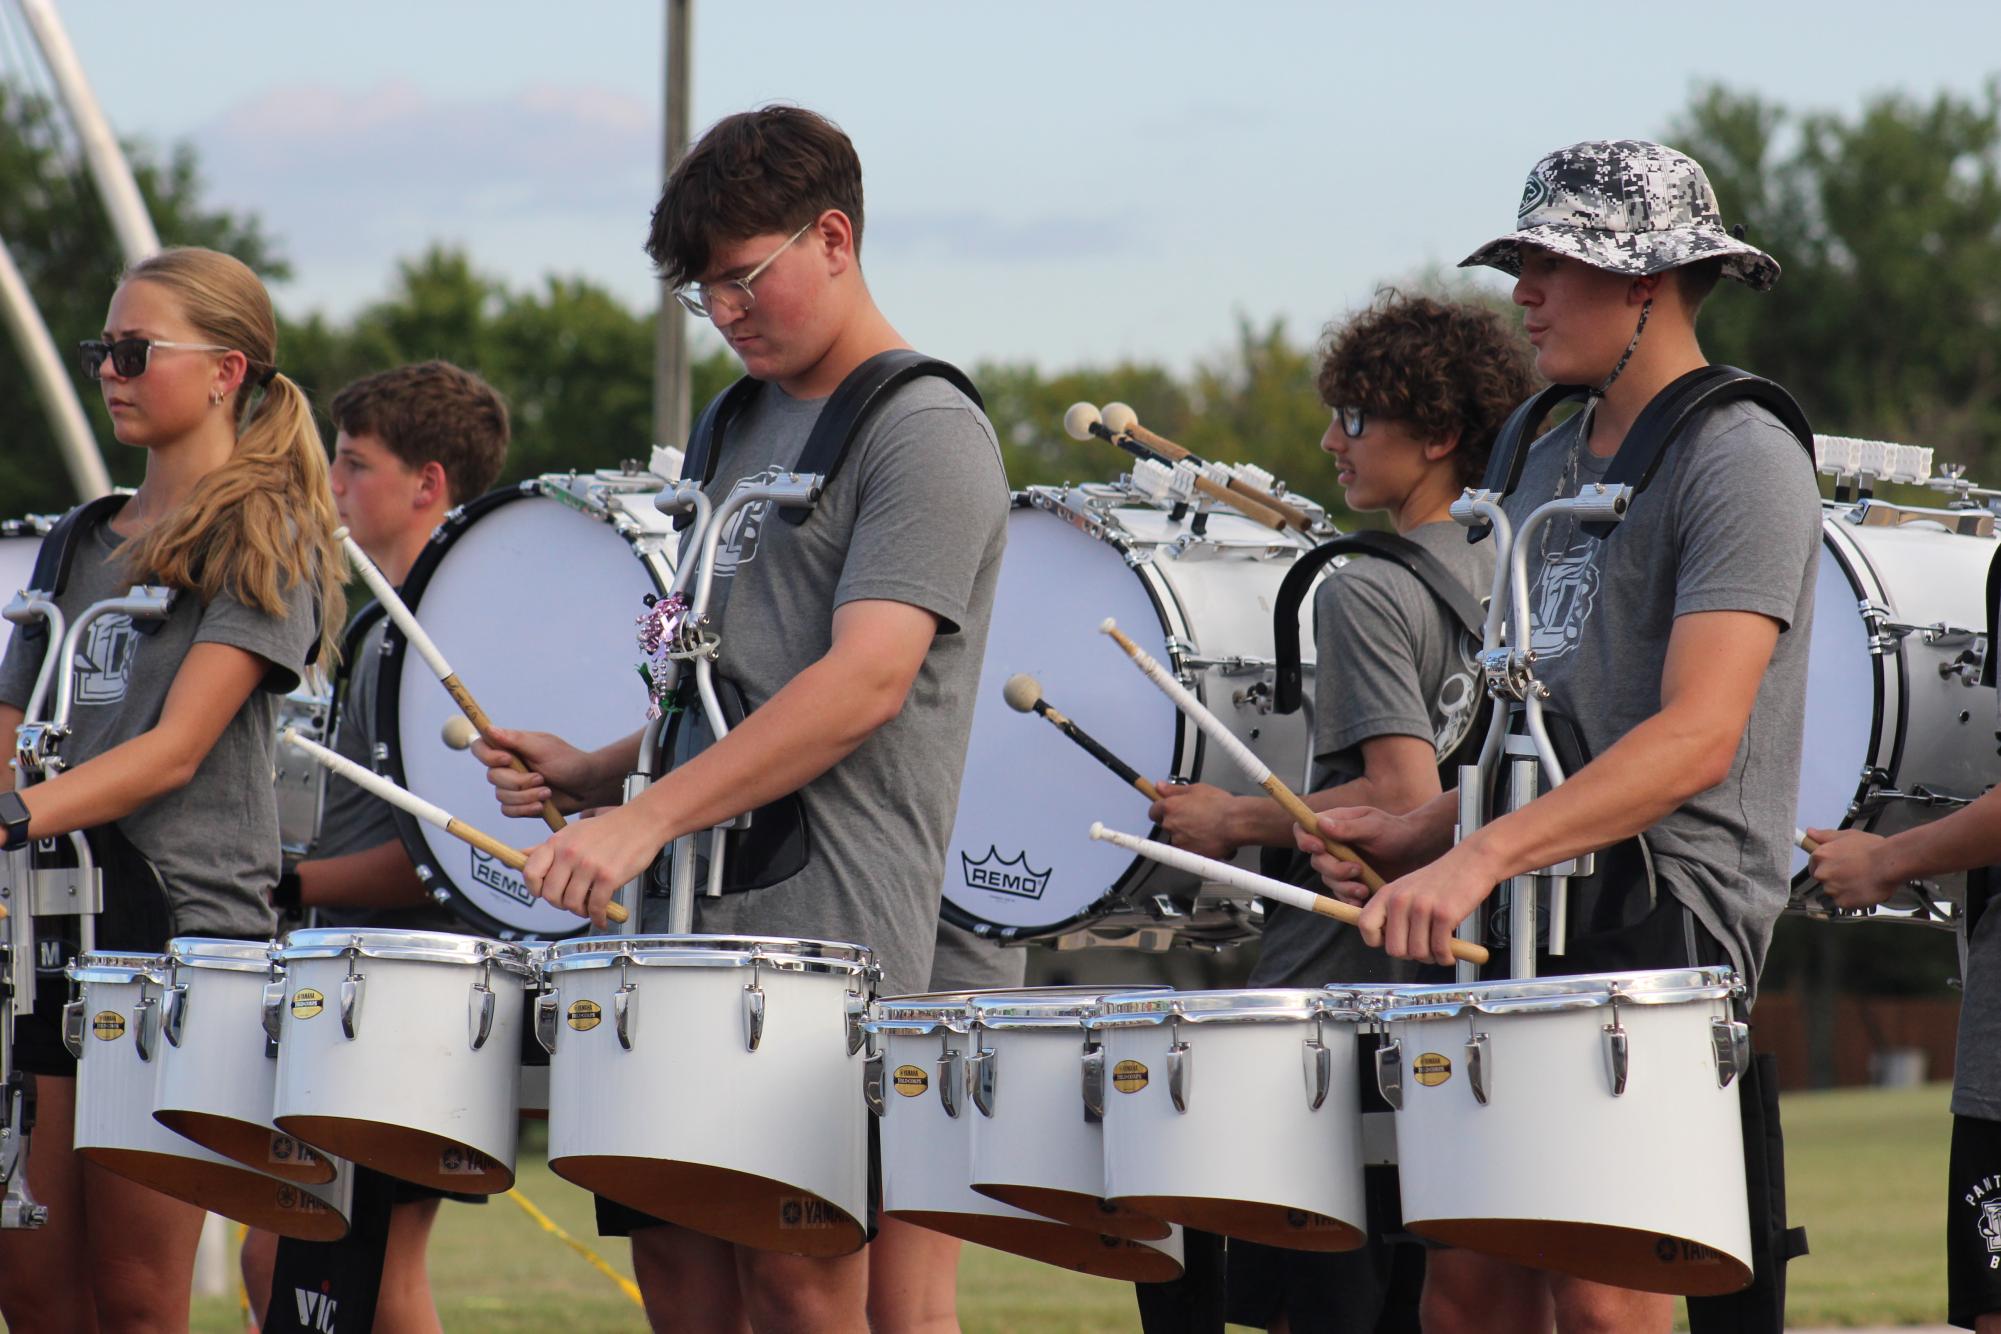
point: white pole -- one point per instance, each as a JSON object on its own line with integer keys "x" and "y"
{"x": 71, "y": 429}
{"x": 115, "y": 183}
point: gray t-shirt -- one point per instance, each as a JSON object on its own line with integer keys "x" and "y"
{"x": 917, "y": 515}
{"x": 214, "y": 841}
{"x": 1391, "y": 660}
{"x": 1976, "y": 1073}
{"x": 353, "y": 820}
{"x": 1731, "y": 522}
{"x": 964, "y": 962}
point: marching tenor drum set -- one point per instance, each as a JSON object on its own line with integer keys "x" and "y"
{"x": 727, "y": 1083}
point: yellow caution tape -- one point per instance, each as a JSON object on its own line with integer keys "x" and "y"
{"x": 598, "y": 1262}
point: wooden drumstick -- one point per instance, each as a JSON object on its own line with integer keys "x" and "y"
{"x": 1122, "y": 420}
{"x": 406, "y": 621}
{"x": 1254, "y": 768}
{"x": 1024, "y": 695}
{"x": 1082, "y": 421}
{"x": 1292, "y": 896}
{"x": 403, "y": 799}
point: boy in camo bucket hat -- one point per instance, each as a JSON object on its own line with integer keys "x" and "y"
{"x": 1673, "y": 649}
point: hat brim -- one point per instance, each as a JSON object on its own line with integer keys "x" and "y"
{"x": 1635, "y": 253}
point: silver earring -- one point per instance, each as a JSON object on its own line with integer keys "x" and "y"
{"x": 215, "y": 398}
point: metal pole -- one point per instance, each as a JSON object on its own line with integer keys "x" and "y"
{"x": 670, "y": 343}
{"x": 115, "y": 184}
{"x": 30, "y": 335}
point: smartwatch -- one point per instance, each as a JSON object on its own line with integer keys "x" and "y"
{"x": 14, "y": 818}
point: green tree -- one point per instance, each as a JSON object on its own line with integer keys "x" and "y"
{"x": 56, "y": 229}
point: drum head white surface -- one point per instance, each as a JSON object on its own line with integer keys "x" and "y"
{"x": 1021, "y": 855}
{"x": 1840, "y": 701}
{"x": 534, "y": 605}
{"x": 17, "y": 564}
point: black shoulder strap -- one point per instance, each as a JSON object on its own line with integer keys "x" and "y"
{"x": 860, "y": 396}
{"x": 1511, "y": 446}
{"x": 1987, "y": 667}
{"x": 699, "y": 463}
{"x": 1427, "y": 568}
{"x": 59, "y": 548}
{"x": 351, "y": 639}
{"x": 1662, "y": 421}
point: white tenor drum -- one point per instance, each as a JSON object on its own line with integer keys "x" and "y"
{"x": 1034, "y": 1145}
{"x": 1182, "y": 1072}
{"x": 1021, "y": 863}
{"x": 20, "y": 543}
{"x": 533, "y": 594}
{"x": 919, "y": 1090}
{"x": 1590, "y": 1125}
{"x": 1899, "y": 729}
{"x": 401, "y": 1051}
{"x": 218, "y": 1063}
{"x": 114, "y": 1028}
{"x": 715, "y": 1082}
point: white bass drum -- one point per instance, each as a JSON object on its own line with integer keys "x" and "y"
{"x": 533, "y": 594}
{"x": 1196, "y": 592}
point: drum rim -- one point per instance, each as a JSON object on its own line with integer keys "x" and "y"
{"x": 689, "y": 950}
{"x": 1023, "y": 1008}
{"x": 928, "y": 1011}
{"x": 388, "y": 708}
{"x": 332, "y": 942}
{"x": 1578, "y": 991}
{"x": 221, "y": 952}
{"x": 1229, "y": 1005}
{"x": 117, "y": 968}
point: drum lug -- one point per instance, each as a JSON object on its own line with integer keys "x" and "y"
{"x": 1319, "y": 1067}
{"x": 350, "y": 1002}
{"x": 1389, "y": 1073}
{"x": 1618, "y": 1055}
{"x": 174, "y": 1016}
{"x": 73, "y": 1027}
{"x": 872, "y": 1082}
{"x": 145, "y": 1025}
{"x": 1180, "y": 1074}
{"x": 857, "y": 1014}
{"x": 545, "y": 1020}
{"x": 1477, "y": 1066}
{"x": 982, "y": 1080}
{"x": 753, "y": 1016}
{"x": 479, "y": 1015}
{"x": 951, "y": 1079}
{"x": 1731, "y": 1040}
{"x": 624, "y": 1016}
{"x": 1094, "y": 1081}
{"x": 274, "y": 1010}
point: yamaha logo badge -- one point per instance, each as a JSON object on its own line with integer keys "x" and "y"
{"x": 1432, "y": 1069}
{"x": 1129, "y": 1076}
{"x": 910, "y": 1080}
{"x": 306, "y": 1003}
{"x": 108, "y": 1025}
{"x": 1004, "y": 875}
{"x": 585, "y": 1014}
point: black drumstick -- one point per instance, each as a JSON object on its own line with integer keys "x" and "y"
{"x": 1024, "y": 695}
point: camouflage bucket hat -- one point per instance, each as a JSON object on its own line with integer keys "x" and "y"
{"x": 1626, "y": 206}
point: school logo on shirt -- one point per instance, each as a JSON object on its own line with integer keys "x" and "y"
{"x": 1986, "y": 1197}
{"x": 106, "y": 656}
{"x": 738, "y": 544}
{"x": 1565, "y": 594}
{"x": 1458, "y": 699}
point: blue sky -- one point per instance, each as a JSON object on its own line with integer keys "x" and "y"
{"x": 1054, "y": 182}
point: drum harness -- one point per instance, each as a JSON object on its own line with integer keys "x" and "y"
{"x": 676, "y": 629}
{"x": 1520, "y": 730}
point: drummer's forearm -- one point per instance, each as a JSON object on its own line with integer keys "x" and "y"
{"x": 377, "y": 877}
{"x": 609, "y": 765}
{"x": 1970, "y": 837}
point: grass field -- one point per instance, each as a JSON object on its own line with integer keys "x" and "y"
{"x": 1865, "y": 1169}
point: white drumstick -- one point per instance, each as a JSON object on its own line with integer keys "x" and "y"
{"x": 406, "y": 621}
{"x": 403, "y": 799}
{"x": 1292, "y": 896}
{"x": 1254, "y": 768}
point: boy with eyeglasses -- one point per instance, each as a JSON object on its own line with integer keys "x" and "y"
{"x": 1676, "y": 646}
{"x": 855, "y": 638}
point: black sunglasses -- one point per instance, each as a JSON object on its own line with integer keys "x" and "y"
{"x": 129, "y": 356}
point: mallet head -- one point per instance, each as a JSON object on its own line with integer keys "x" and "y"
{"x": 459, "y": 732}
{"x": 1022, "y": 693}
{"x": 1079, "y": 419}
{"x": 1119, "y": 418}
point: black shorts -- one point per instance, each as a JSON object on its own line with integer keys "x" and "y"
{"x": 1973, "y": 1221}
{"x": 622, "y": 1220}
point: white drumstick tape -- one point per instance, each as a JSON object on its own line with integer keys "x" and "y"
{"x": 1805, "y": 844}
{"x": 1292, "y": 896}
{"x": 405, "y": 619}
{"x": 1212, "y": 727}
